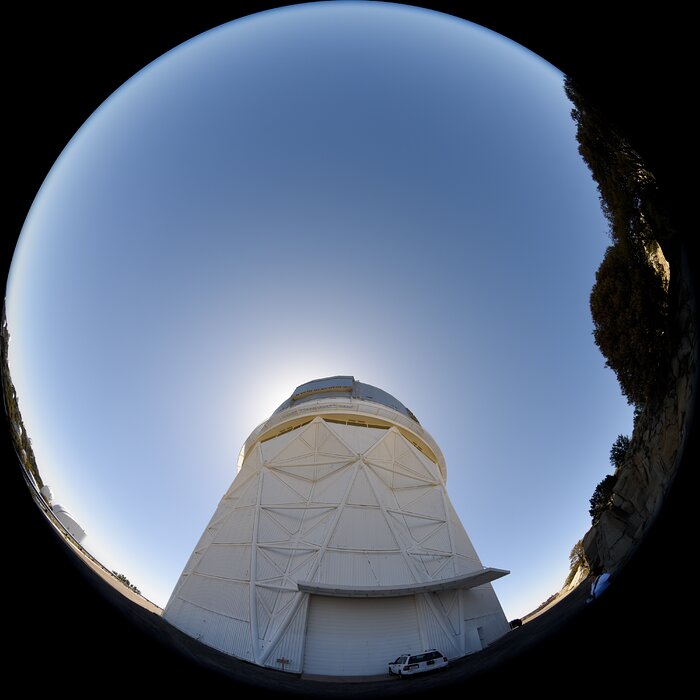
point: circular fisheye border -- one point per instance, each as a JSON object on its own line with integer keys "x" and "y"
{"x": 635, "y": 68}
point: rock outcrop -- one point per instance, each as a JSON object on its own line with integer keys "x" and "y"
{"x": 655, "y": 449}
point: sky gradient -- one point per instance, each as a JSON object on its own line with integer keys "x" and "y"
{"x": 338, "y": 188}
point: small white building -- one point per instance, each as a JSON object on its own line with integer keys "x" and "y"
{"x": 46, "y": 493}
{"x": 69, "y": 522}
{"x": 336, "y": 548}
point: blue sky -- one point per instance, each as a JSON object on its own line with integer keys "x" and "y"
{"x": 336, "y": 188}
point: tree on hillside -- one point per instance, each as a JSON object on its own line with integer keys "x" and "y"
{"x": 577, "y": 562}
{"x": 602, "y": 497}
{"x": 629, "y": 300}
{"x": 619, "y": 451}
{"x": 629, "y": 309}
{"x": 621, "y": 175}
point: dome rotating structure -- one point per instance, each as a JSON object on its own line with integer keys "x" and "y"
{"x": 336, "y": 548}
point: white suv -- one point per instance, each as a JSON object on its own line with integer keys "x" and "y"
{"x": 407, "y": 664}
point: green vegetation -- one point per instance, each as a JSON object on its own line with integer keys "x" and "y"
{"x": 630, "y": 316}
{"x": 619, "y": 450}
{"x": 602, "y": 497}
{"x": 601, "y": 500}
{"x": 577, "y": 562}
{"x": 22, "y": 441}
{"x": 123, "y": 579}
{"x": 629, "y": 300}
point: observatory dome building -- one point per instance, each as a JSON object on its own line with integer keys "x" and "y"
{"x": 336, "y": 548}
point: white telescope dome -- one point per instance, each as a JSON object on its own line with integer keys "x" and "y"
{"x": 336, "y": 548}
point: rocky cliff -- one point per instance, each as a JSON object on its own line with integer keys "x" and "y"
{"x": 656, "y": 446}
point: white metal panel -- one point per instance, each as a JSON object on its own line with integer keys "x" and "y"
{"x": 386, "y": 472}
{"x": 438, "y": 540}
{"x": 359, "y": 437}
{"x": 430, "y": 503}
{"x": 363, "y": 569}
{"x": 361, "y": 492}
{"x": 448, "y": 604}
{"x": 267, "y": 605}
{"x": 359, "y": 637}
{"x": 465, "y": 565}
{"x": 329, "y": 443}
{"x": 226, "y": 560}
{"x": 351, "y": 568}
{"x": 363, "y": 528}
{"x": 419, "y": 527}
{"x": 391, "y": 568}
{"x": 266, "y": 569}
{"x": 407, "y": 460}
{"x": 283, "y": 604}
{"x": 300, "y": 482}
{"x": 228, "y": 635}
{"x": 317, "y": 524}
{"x": 325, "y": 465}
{"x": 286, "y": 559}
{"x": 405, "y": 497}
{"x": 288, "y": 652}
{"x": 249, "y": 493}
{"x": 382, "y": 452}
{"x": 294, "y": 450}
{"x": 231, "y": 598}
{"x": 437, "y": 565}
{"x": 276, "y": 492}
{"x": 237, "y": 527}
{"x": 288, "y": 517}
{"x": 296, "y": 465}
{"x": 472, "y": 638}
{"x": 218, "y": 631}
{"x": 270, "y": 529}
{"x": 481, "y": 608}
{"x": 437, "y": 631}
{"x": 271, "y": 448}
{"x": 331, "y": 488}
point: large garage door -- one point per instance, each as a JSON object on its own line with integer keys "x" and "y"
{"x": 356, "y": 636}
